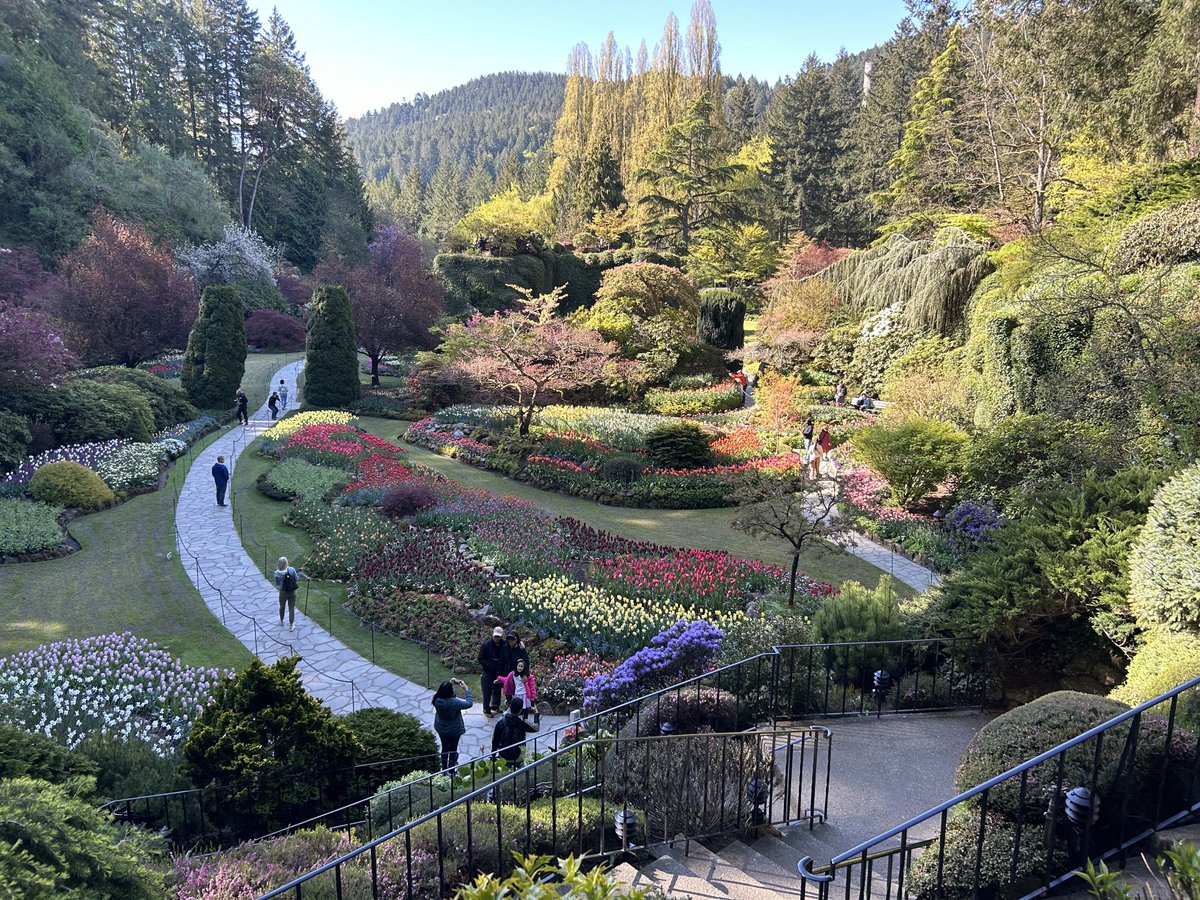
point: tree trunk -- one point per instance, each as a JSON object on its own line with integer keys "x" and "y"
{"x": 792, "y": 582}
{"x": 1194, "y": 131}
{"x": 374, "y": 371}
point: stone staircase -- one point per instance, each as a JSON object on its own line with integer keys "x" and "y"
{"x": 884, "y": 772}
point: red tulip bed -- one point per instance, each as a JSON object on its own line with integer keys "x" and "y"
{"x": 426, "y": 575}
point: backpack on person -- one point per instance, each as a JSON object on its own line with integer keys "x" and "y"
{"x": 290, "y": 582}
{"x": 510, "y": 736}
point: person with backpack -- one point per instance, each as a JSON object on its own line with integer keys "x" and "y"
{"x": 508, "y": 740}
{"x": 288, "y": 582}
{"x": 243, "y": 403}
{"x": 448, "y": 721}
{"x": 283, "y": 394}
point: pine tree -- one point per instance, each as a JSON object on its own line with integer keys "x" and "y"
{"x": 445, "y": 201}
{"x": 215, "y": 359}
{"x": 739, "y": 112}
{"x": 331, "y": 358}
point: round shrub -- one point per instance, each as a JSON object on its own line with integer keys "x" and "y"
{"x": 1170, "y": 235}
{"x": 690, "y": 712}
{"x": 959, "y": 855}
{"x": 270, "y": 330}
{"x": 168, "y": 403}
{"x": 407, "y": 499}
{"x": 1164, "y": 573}
{"x": 70, "y": 484}
{"x": 678, "y": 445}
{"x": 625, "y": 469}
{"x": 1166, "y": 661}
{"x": 386, "y": 735}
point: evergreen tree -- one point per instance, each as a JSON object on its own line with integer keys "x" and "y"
{"x": 740, "y": 115}
{"x": 445, "y": 202}
{"x": 331, "y": 358}
{"x": 215, "y": 359}
{"x": 410, "y": 201}
{"x": 601, "y": 179}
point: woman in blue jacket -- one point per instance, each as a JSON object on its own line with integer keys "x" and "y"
{"x": 447, "y": 718}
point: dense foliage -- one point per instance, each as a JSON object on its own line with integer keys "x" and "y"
{"x": 331, "y": 360}
{"x": 1164, "y": 573}
{"x": 215, "y": 359}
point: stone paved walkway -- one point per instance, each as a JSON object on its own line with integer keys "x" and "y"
{"x": 247, "y": 603}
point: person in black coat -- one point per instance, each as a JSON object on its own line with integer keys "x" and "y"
{"x": 491, "y": 663}
{"x": 513, "y": 650}
{"x": 220, "y": 474}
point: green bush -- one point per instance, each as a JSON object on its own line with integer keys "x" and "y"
{"x": 679, "y": 445}
{"x": 387, "y": 735}
{"x": 331, "y": 355}
{"x": 722, "y": 318}
{"x": 256, "y": 295}
{"x": 1164, "y": 237}
{"x": 55, "y": 843}
{"x": 857, "y": 614}
{"x": 625, "y": 468}
{"x": 14, "y": 440}
{"x": 300, "y": 479}
{"x": 36, "y": 756}
{"x": 70, "y": 484}
{"x": 169, "y": 404}
{"x": 282, "y": 752}
{"x": 79, "y": 412}
{"x": 215, "y": 359}
{"x": 1165, "y": 661}
{"x": 958, "y": 860}
{"x": 694, "y": 401}
{"x": 128, "y": 767}
{"x": 418, "y": 792}
{"x": 533, "y": 874}
{"x": 914, "y": 455}
{"x": 1164, "y": 573}
{"x": 28, "y": 527}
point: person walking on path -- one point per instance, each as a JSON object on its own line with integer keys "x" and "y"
{"x": 839, "y": 393}
{"x": 448, "y": 722}
{"x": 220, "y": 474}
{"x": 824, "y": 440}
{"x": 508, "y": 738}
{"x": 243, "y": 404}
{"x": 519, "y": 685}
{"x": 288, "y": 582}
{"x": 273, "y": 405}
{"x": 491, "y": 661}
{"x": 283, "y": 394}
{"x": 807, "y": 432}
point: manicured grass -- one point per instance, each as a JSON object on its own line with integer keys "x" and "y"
{"x": 266, "y": 538}
{"x": 126, "y": 577}
{"x": 706, "y": 529}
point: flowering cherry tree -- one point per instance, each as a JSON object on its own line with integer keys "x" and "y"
{"x": 528, "y": 354}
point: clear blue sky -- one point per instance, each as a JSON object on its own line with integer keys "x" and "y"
{"x": 366, "y": 54}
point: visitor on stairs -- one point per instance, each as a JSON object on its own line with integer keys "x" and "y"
{"x": 287, "y": 580}
{"x": 491, "y": 663}
{"x": 448, "y": 722}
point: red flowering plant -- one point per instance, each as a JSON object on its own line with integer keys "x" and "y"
{"x": 741, "y": 444}
{"x": 863, "y": 493}
{"x": 339, "y": 446}
{"x": 377, "y": 474}
{"x": 561, "y": 681}
{"x": 429, "y": 434}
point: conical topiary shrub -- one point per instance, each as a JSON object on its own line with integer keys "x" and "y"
{"x": 331, "y": 361}
{"x": 215, "y": 360}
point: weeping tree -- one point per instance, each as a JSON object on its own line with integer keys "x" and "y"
{"x": 722, "y": 318}
{"x": 929, "y": 281}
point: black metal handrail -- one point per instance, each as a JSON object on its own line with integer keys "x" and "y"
{"x": 698, "y": 785}
{"x": 1071, "y": 836}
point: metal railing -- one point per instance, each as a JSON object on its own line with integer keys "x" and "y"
{"x": 1028, "y": 830}
{"x": 596, "y": 797}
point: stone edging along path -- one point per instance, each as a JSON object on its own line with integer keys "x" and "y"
{"x": 247, "y": 603}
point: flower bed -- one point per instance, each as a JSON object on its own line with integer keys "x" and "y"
{"x": 132, "y": 467}
{"x": 88, "y": 455}
{"x": 562, "y": 680}
{"x": 437, "y": 622}
{"x": 695, "y": 401}
{"x": 608, "y": 624}
{"x": 27, "y": 528}
{"x": 304, "y": 481}
{"x": 286, "y": 427}
{"x": 340, "y": 446}
{"x": 167, "y": 365}
{"x": 117, "y": 684}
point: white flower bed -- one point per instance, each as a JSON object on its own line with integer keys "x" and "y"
{"x": 132, "y": 466}
{"x": 116, "y": 683}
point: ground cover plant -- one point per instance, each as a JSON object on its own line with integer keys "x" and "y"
{"x": 28, "y": 527}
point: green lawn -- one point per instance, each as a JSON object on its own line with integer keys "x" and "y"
{"x": 126, "y": 577}
{"x": 706, "y": 529}
{"x": 266, "y": 538}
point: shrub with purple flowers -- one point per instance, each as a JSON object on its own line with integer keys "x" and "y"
{"x": 682, "y": 651}
{"x": 116, "y": 684}
{"x": 972, "y": 521}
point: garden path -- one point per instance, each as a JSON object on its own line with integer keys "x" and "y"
{"x": 247, "y": 603}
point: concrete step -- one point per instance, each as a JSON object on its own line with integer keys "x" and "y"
{"x": 784, "y": 881}
{"x": 701, "y": 874}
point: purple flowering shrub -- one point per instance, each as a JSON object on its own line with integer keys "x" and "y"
{"x": 972, "y": 522}
{"x": 681, "y": 651}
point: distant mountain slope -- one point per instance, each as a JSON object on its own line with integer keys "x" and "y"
{"x": 486, "y": 117}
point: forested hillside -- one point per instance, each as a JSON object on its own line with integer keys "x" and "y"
{"x": 178, "y": 116}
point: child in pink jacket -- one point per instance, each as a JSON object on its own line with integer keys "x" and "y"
{"x": 519, "y": 683}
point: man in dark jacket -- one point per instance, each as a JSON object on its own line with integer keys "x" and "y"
{"x": 491, "y": 664}
{"x": 513, "y": 650}
{"x": 220, "y": 474}
{"x": 508, "y": 738}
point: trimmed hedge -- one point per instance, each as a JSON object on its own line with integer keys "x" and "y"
{"x": 695, "y": 401}
{"x": 82, "y": 412}
{"x": 70, "y": 484}
{"x": 1165, "y": 237}
{"x": 270, "y": 330}
{"x": 1164, "y": 571}
{"x": 1165, "y": 661}
{"x": 215, "y": 359}
{"x": 678, "y": 446}
{"x": 387, "y": 735}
